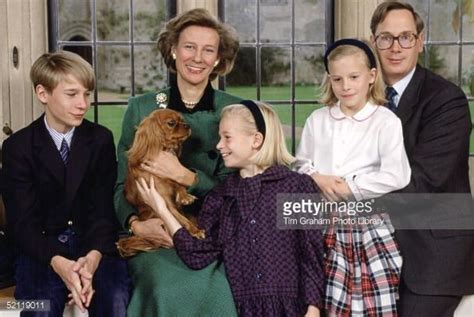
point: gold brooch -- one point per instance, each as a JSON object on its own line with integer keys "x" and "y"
{"x": 161, "y": 100}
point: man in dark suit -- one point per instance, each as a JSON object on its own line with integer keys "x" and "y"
{"x": 437, "y": 265}
{"x": 60, "y": 172}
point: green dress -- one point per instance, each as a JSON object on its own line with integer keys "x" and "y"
{"x": 162, "y": 284}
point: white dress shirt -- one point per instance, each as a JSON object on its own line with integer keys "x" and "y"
{"x": 366, "y": 149}
{"x": 401, "y": 85}
{"x": 58, "y": 136}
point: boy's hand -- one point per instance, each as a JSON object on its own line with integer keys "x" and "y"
{"x": 64, "y": 268}
{"x": 86, "y": 267}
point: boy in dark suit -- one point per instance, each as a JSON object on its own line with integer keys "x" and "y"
{"x": 437, "y": 264}
{"x": 60, "y": 172}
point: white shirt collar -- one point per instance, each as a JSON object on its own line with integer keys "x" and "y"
{"x": 402, "y": 84}
{"x": 58, "y": 136}
{"x": 363, "y": 114}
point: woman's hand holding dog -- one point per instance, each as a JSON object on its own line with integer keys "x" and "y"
{"x": 153, "y": 199}
{"x": 167, "y": 165}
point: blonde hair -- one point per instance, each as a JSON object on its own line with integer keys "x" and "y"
{"x": 50, "y": 68}
{"x": 228, "y": 39}
{"x": 273, "y": 151}
{"x": 376, "y": 93}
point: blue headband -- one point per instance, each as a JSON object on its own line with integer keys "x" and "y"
{"x": 257, "y": 115}
{"x": 352, "y": 42}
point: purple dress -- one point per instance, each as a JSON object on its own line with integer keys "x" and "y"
{"x": 271, "y": 272}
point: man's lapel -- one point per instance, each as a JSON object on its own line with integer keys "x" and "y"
{"x": 411, "y": 96}
{"x": 78, "y": 160}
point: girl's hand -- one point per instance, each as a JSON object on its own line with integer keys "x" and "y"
{"x": 343, "y": 190}
{"x": 150, "y": 196}
{"x": 167, "y": 165}
{"x": 331, "y": 186}
{"x": 312, "y": 311}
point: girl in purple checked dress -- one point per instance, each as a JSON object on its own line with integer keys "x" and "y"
{"x": 353, "y": 149}
{"x": 271, "y": 272}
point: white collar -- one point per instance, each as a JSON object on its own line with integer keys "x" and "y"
{"x": 58, "y": 136}
{"x": 363, "y": 114}
{"x": 402, "y": 84}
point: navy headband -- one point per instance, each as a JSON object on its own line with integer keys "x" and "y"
{"x": 352, "y": 42}
{"x": 257, "y": 115}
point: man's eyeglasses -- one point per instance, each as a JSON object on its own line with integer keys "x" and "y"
{"x": 385, "y": 41}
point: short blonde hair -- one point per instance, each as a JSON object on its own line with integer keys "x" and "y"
{"x": 50, "y": 68}
{"x": 376, "y": 93}
{"x": 228, "y": 39}
{"x": 273, "y": 150}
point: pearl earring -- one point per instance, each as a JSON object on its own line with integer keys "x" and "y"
{"x": 173, "y": 55}
{"x": 216, "y": 63}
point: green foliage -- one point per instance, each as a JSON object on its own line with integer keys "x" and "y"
{"x": 435, "y": 61}
{"x": 272, "y": 66}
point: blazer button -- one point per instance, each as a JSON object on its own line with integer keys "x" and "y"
{"x": 212, "y": 155}
{"x": 253, "y": 221}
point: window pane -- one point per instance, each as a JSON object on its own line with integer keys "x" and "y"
{"x": 114, "y": 80}
{"x": 242, "y": 81}
{"x": 309, "y": 71}
{"x": 468, "y": 70}
{"x": 302, "y": 112}
{"x": 275, "y": 21}
{"x": 242, "y": 15}
{"x": 110, "y": 116}
{"x": 284, "y": 113}
{"x": 84, "y": 51}
{"x": 75, "y": 20}
{"x": 443, "y": 60}
{"x": 310, "y": 21}
{"x": 112, "y": 20}
{"x": 275, "y": 65}
{"x": 442, "y": 22}
{"x": 422, "y": 7}
{"x": 149, "y": 18}
{"x": 150, "y": 70}
{"x": 468, "y": 20}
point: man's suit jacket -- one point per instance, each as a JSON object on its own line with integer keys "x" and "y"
{"x": 436, "y": 129}
{"x": 43, "y": 197}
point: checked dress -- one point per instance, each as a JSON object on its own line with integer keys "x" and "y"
{"x": 362, "y": 264}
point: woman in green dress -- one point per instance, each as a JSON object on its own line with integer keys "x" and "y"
{"x": 198, "y": 48}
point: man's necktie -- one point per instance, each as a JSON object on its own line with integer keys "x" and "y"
{"x": 390, "y": 94}
{"x": 64, "y": 151}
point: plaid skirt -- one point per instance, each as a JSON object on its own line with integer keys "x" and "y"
{"x": 363, "y": 267}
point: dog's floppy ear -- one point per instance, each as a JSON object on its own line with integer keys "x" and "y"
{"x": 148, "y": 141}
